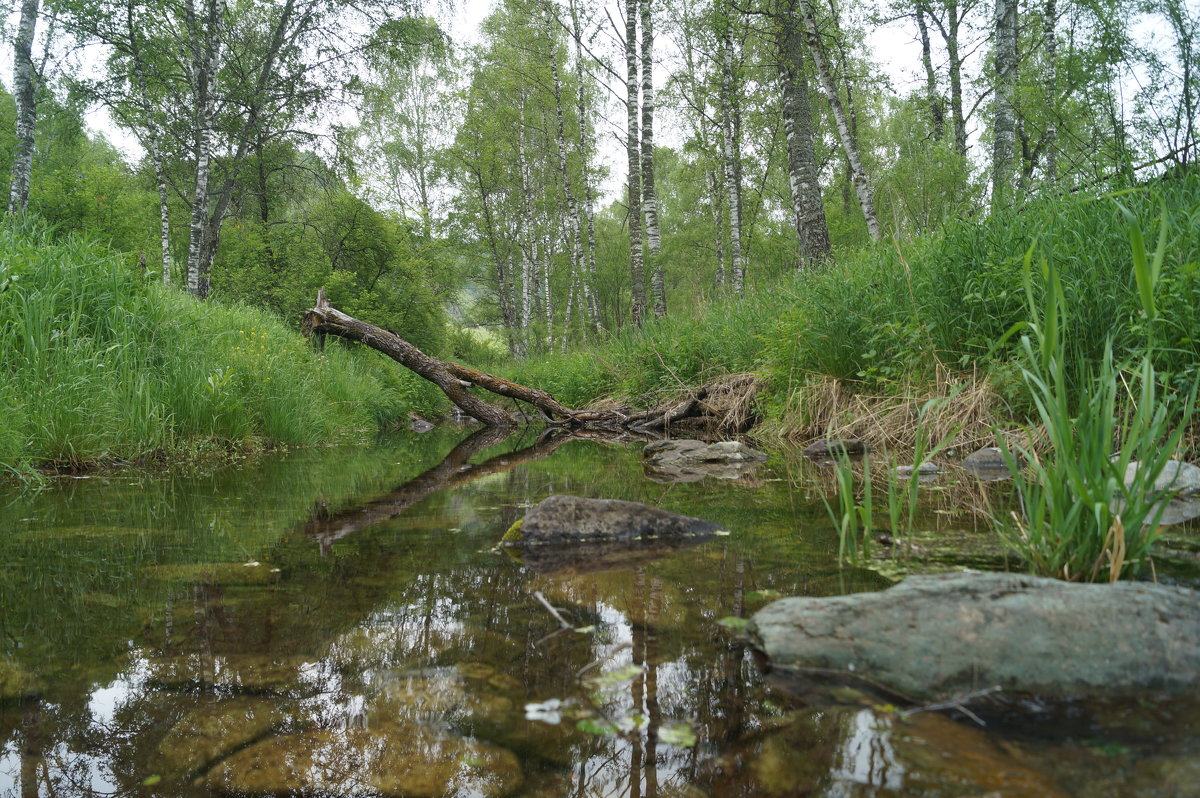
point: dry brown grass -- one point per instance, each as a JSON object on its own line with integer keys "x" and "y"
{"x": 965, "y": 416}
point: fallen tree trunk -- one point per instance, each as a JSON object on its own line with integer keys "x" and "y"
{"x": 455, "y": 380}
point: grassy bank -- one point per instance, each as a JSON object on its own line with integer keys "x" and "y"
{"x": 98, "y": 363}
{"x": 880, "y": 330}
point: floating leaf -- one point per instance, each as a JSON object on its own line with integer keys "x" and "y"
{"x": 150, "y": 781}
{"x": 761, "y": 595}
{"x": 618, "y": 676}
{"x": 677, "y": 733}
{"x": 734, "y": 623}
{"x": 546, "y": 711}
{"x": 598, "y": 727}
{"x": 585, "y": 629}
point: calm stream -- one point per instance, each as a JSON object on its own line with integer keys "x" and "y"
{"x": 340, "y": 621}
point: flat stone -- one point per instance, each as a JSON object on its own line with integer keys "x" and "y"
{"x": 936, "y": 637}
{"x": 207, "y": 733}
{"x": 561, "y": 519}
{"x": 400, "y": 761}
{"x": 835, "y": 447}
{"x": 420, "y": 425}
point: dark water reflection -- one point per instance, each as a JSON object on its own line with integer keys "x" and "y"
{"x": 338, "y": 622}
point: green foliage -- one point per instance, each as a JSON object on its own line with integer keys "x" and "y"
{"x": 102, "y": 362}
{"x": 892, "y": 314}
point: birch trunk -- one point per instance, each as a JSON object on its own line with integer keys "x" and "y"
{"x": 589, "y": 276}
{"x": 25, "y": 95}
{"x": 637, "y": 274}
{"x": 204, "y": 70}
{"x": 574, "y": 221}
{"x": 650, "y": 198}
{"x": 1050, "y": 75}
{"x": 936, "y": 114}
{"x": 807, "y": 207}
{"x": 730, "y": 156}
{"x": 715, "y": 185}
{"x": 858, "y": 175}
{"x": 1004, "y": 125}
{"x": 547, "y": 306}
{"x": 504, "y": 293}
{"x": 164, "y": 216}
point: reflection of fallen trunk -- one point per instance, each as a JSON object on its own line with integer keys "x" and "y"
{"x": 453, "y": 471}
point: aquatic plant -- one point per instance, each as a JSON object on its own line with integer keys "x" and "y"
{"x": 1089, "y": 510}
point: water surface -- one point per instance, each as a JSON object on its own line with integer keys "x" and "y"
{"x": 339, "y": 621}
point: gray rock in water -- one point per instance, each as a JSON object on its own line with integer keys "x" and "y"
{"x": 924, "y": 470}
{"x": 987, "y": 464}
{"x": 571, "y": 519}
{"x": 824, "y": 449}
{"x": 420, "y": 425}
{"x": 936, "y": 637}
{"x": 662, "y": 453}
{"x": 692, "y": 461}
{"x": 1181, "y": 479}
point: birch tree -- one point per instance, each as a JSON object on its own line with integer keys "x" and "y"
{"x": 637, "y": 272}
{"x": 1004, "y": 119}
{"x": 25, "y": 79}
{"x": 858, "y": 174}
{"x": 808, "y": 211}
{"x": 658, "y": 288}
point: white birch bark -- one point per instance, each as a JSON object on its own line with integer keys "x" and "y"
{"x": 25, "y": 95}
{"x": 637, "y": 274}
{"x": 658, "y": 289}
{"x": 164, "y": 216}
{"x": 1050, "y": 79}
{"x": 808, "y": 210}
{"x": 717, "y": 204}
{"x": 205, "y": 63}
{"x": 1004, "y": 123}
{"x": 589, "y": 276}
{"x": 730, "y": 155}
{"x": 574, "y": 220}
{"x": 858, "y": 175}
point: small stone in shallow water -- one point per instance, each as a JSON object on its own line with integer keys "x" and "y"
{"x": 16, "y": 682}
{"x": 572, "y": 519}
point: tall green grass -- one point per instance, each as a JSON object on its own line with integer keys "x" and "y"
{"x": 98, "y": 361}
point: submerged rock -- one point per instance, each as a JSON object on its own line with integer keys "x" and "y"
{"x": 16, "y": 682}
{"x": 400, "y": 761}
{"x": 936, "y": 637}
{"x": 825, "y": 449}
{"x": 420, "y": 425}
{"x": 215, "y": 573}
{"x": 207, "y": 733}
{"x": 246, "y": 673}
{"x": 572, "y": 519}
{"x": 866, "y": 752}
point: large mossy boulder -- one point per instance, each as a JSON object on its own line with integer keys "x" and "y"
{"x": 211, "y": 731}
{"x": 932, "y": 638}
